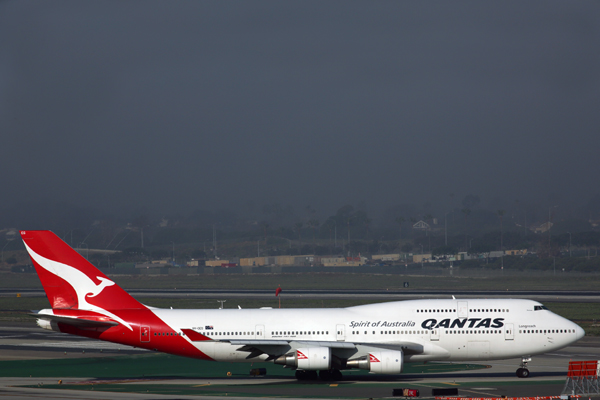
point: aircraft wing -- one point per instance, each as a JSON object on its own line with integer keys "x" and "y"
{"x": 275, "y": 348}
{"x": 336, "y": 345}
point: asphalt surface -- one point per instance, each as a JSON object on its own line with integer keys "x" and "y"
{"x": 24, "y": 341}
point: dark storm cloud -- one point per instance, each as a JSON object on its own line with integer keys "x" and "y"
{"x": 175, "y": 106}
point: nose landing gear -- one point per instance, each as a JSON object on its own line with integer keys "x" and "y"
{"x": 523, "y": 372}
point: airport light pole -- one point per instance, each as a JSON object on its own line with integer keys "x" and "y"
{"x": 173, "y": 260}
{"x": 569, "y": 243}
{"x": 446, "y": 229}
{"x": 334, "y": 234}
{"x": 7, "y": 242}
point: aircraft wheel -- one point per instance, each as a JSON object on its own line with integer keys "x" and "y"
{"x": 325, "y": 375}
{"x": 311, "y": 375}
{"x": 336, "y": 375}
{"x": 301, "y": 375}
{"x": 523, "y": 373}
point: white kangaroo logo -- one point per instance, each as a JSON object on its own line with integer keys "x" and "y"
{"x": 83, "y": 285}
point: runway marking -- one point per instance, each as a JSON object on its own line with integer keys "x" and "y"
{"x": 333, "y": 385}
{"x": 206, "y": 384}
{"x": 449, "y": 383}
{"x": 478, "y": 392}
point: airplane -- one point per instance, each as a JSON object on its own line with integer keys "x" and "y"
{"x": 317, "y": 343}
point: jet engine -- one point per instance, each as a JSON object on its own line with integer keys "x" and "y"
{"x": 380, "y": 362}
{"x": 310, "y": 359}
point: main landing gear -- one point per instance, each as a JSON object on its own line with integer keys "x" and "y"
{"x": 523, "y": 372}
{"x": 324, "y": 375}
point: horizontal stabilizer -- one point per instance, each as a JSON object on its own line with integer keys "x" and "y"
{"x": 77, "y": 322}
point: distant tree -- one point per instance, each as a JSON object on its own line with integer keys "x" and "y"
{"x": 444, "y": 250}
{"x": 428, "y": 218}
{"x": 314, "y": 224}
{"x": 466, "y": 212}
{"x": 471, "y": 201}
{"x": 399, "y": 221}
{"x": 367, "y": 224}
{"x": 479, "y": 248}
{"x": 407, "y": 248}
{"x": 198, "y": 254}
{"x": 11, "y": 260}
{"x": 501, "y": 215}
{"x": 265, "y": 226}
{"x": 298, "y": 226}
{"x": 159, "y": 254}
{"x": 413, "y": 221}
{"x": 135, "y": 251}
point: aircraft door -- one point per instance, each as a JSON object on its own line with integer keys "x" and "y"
{"x": 508, "y": 332}
{"x": 340, "y": 332}
{"x": 144, "y": 334}
{"x": 435, "y": 334}
{"x": 463, "y": 309}
{"x": 259, "y": 332}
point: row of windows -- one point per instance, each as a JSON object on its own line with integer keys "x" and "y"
{"x": 287, "y": 333}
{"x": 228, "y": 333}
{"x": 168, "y": 334}
{"x": 467, "y": 332}
{"x": 470, "y": 310}
{"x": 475, "y": 332}
{"x": 393, "y": 332}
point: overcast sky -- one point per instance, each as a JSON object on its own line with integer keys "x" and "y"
{"x": 175, "y": 106}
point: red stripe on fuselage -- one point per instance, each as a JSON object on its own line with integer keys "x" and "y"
{"x": 161, "y": 337}
{"x": 195, "y": 336}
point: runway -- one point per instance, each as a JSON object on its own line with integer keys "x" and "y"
{"x": 24, "y": 341}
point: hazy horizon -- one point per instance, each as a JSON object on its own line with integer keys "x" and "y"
{"x": 163, "y": 107}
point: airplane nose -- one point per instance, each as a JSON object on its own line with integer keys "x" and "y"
{"x": 579, "y": 332}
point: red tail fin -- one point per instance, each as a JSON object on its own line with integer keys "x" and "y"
{"x": 70, "y": 281}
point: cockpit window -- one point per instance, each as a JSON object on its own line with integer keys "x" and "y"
{"x": 537, "y": 308}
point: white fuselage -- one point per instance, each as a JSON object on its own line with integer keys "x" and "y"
{"x": 425, "y": 330}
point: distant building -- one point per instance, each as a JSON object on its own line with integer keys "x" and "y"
{"x": 422, "y": 226}
{"x": 545, "y": 227}
{"x": 521, "y": 252}
{"x": 385, "y": 257}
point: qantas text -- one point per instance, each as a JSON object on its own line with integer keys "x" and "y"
{"x": 462, "y": 323}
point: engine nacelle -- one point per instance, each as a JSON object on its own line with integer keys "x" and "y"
{"x": 386, "y": 362}
{"x": 310, "y": 359}
{"x": 380, "y": 362}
